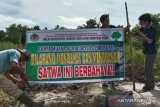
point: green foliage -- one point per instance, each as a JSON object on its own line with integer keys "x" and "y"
{"x": 16, "y": 33}
{"x": 57, "y": 27}
{"x": 45, "y": 28}
{"x": 127, "y": 55}
{"x": 156, "y": 24}
{"x": 137, "y": 57}
{"x": 136, "y": 41}
{"x": 13, "y": 33}
{"x": 36, "y": 28}
{"x": 2, "y": 35}
{"x": 23, "y": 33}
{"x": 91, "y": 23}
{"x": 157, "y": 63}
{"x": 136, "y": 28}
{"x": 120, "y": 26}
{"x": 8, "y": 45}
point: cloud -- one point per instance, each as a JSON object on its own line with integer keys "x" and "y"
{"x": 72, "y": 13}
{"x": 9, "y": 11}
{"x": 8, "y": 20}
{"x": 67, "y": 2}
{"x": 11, "y": 2}
{"x": 71, "y": 22}
{"x": 10, "y": 7}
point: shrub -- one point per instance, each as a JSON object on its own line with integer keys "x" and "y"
{"x": 157, "y": 63}
{"x": 8, "y": 45}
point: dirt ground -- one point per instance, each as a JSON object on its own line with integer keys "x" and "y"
{"x": 93, "y": 95}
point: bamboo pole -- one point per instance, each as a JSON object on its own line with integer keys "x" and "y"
{"x": 131, "y": 48}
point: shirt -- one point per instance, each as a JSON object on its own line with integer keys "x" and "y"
{"x": 110, "y": 26}
{"x": 6, "y": 57}
{"x": 150, "y": 33}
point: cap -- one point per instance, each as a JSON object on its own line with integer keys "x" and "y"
{"x": 26, "y": 52}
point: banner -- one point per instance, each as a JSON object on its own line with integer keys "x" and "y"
{"x": 75, "y": 56}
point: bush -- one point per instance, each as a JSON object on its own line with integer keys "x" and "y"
{"x": 138, "y": 59}
{"x": 9, "y": 45}
{"x": 157, "y": 63}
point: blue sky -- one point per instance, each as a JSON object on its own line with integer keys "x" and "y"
{"x": 71, "y": 13}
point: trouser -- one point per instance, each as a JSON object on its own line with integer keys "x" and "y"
{"x": 9, "y": 87}
{"x": 148, "y": 70}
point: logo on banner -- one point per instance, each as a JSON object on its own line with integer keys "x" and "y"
{"x": 34, "y": 37}
{"x": 116, "y": 36}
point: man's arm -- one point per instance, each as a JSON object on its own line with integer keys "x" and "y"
{"x": 11, "y": 77}
{"x": 147, "y": 39}
{"x": 14, "y": 68}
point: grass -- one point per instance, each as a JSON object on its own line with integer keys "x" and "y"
{"x": 157, "y": 63}
{"x": 9, "y": 45}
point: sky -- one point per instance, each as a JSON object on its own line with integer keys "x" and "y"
{"x": 72, "y": 13}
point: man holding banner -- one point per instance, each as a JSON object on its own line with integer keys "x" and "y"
{"x": 105, "y": 21}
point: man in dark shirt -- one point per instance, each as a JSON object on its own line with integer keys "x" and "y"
{"x": 104, "y": 19}
{"x": 149, "y": 47}
{"x": 148, "y": 34}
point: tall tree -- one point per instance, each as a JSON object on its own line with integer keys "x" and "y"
{"x": 45, "y": 28}
{"x": 17, "y": 33}
{"x": 2, "y": 35}
{"x": 156, "y": 24}
{"x": 91, "y": 23}
{"x": 36, "y": 27}
{"x": 57, "y": 27}
{"x": 24, "y": 29}
{"x": 13, "y": 33}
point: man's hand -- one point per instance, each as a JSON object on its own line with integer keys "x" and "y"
{"x": 141, "y": 34}
{"x": 17, "y": 69}
{"x": 134, "y": 34}
{"x": 146, "y": 39}
{"x": 24, "y": 78}
{"x": 127, "y": 28}
{"x": 21, "y": 83}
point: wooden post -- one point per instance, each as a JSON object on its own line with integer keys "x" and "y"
{"x": 131, "y": 48}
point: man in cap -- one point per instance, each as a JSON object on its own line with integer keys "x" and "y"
{"x": 9, "y": 60}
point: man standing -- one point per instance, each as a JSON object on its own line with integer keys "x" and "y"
{"x": 9, "y": 60}
{"x": 105, "y": 21}
{"x": 148, "y": 34}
